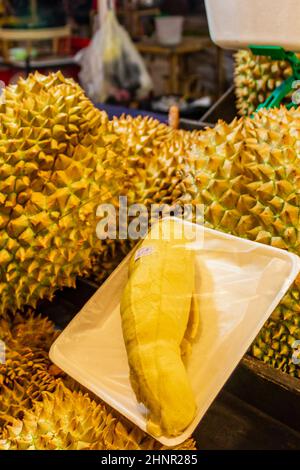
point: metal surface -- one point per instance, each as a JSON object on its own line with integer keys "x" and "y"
{"x": 224, "y": 108}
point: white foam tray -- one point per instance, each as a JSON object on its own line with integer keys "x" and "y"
{"x": 236, "y": 24}
{"x": 239, "y": 283}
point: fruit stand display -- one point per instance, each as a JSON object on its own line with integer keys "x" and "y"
{"x": 60, "y": 157}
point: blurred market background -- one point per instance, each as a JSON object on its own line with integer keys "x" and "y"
{"x": 170, "y": 39}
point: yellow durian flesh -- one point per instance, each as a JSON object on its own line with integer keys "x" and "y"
{"x": 155, "y": 309}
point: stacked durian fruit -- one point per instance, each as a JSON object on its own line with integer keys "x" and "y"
{"x": 43, "y": 409}
{"x": 256, "y": 77}
{"x": 61, "y": 158}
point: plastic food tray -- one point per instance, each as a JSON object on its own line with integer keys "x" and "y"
{"x": 236, "y": 24}
{"x": 238, "y": 285}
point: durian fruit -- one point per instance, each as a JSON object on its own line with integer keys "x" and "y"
{"x": 140, "y": 135}
{"x": 66, "y": 420}
{"x": 246, "y": 174}
{"x": 256, "y": 77}
{"x": 26, "y": 371}
{"x": 275, "y": 343}
{"x": 27, "y": 329}
{"x": 59, "y": 159}
{"x": 13, "y": 402}
{"x": 153, "y": 155}
{"x": 142, "y": 139}
{"x": 38, "y": 410}
{"x": 23, "y": 378}
{"x": 156, "y": 308}
{"x": 28, "y": 366}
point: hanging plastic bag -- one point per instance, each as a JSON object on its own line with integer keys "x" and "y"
{"x": 111, "y": 67}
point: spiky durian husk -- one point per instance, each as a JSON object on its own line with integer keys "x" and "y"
{"x": 141, "y": 135}
{"x": 27, "y": 330}
{"x": 26, "y": 371}
{"x": 28, "y": 366}
{"x": 160, "y": 178}
{"x": 153, "y": 154}
{"x": 72, "y": 421}
{"x": 191, "y": 168}
{"x": 59, "y": 159}
{"x": 141, "y": 139}
{"x": 255, "y": 79}
{"x": 274, "y": 344}
{"x": 247, "y": 173}
{"x": 13, "y": 402}
{"x": 23, "y": 377}
{"x": 38, "y": 410}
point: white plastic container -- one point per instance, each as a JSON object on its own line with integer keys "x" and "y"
{"x": 169, "y": 30}
{"x": 238, "y": 285}
{"x": 236, "y": 24}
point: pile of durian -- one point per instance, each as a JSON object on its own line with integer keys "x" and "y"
{"x": 256, "y": 77}
{"x": 60, "y": 158}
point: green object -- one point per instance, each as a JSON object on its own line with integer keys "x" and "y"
{"x": 20, "y": 53}
{"x": 278, "y": 53}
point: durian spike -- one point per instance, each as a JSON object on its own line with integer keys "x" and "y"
{"x": 86, "y": 425}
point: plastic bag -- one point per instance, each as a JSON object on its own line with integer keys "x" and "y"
{"x": 111, "y": 66}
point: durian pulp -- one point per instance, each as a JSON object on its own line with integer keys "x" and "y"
{"x": 159, "y": 320}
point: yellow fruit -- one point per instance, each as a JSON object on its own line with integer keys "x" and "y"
{"x": 256, "y": 77}
{"x": 58, "y": 160}
{"x": 155, "y": 308}
{"x": 66, "y": 420}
